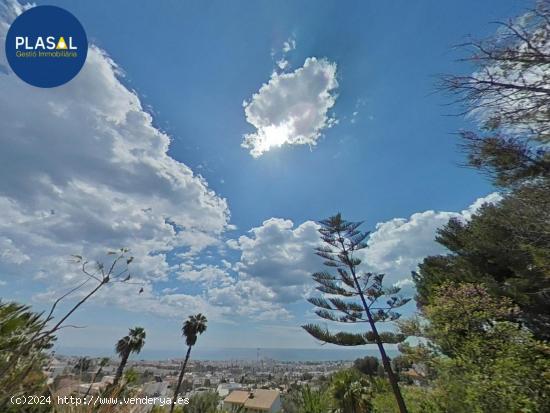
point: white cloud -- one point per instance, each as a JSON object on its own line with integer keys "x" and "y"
{"x": 249, "y": 298}
{"x": 209, "y": 275}
{"x": 84, "y": 170}
{"x": 292, "y": 108}
{"x": 397, "y": 246}
{"x": 282, "y": 63}
{"x": 289, "y": 45}
{"x": 10, "y": 253}
{"x": 274, "y": 269}
{"x": 280, "y": 57}
{"x": 277, "y": 259}
{"x": 280, "y": 256}
{"x": 521, "y": 111}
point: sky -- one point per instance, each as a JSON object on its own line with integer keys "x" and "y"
{"x": 209, "y": 137}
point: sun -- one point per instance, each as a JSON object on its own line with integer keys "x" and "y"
{"x": 273, "y": 136}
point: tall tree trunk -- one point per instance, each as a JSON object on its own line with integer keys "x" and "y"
{"x": 93, "y": 381}
{"x": 120, "y": 369}
{"x": 385, "y": 359}
{"x": 180, "y": 379}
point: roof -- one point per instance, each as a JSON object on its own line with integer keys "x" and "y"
{"x": 256, "y": 399}
{"x": 413, "y": 374}
{"x": 237, "y": 396}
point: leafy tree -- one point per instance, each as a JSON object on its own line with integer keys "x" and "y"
{"x": 342, "y": 241}
{"x": 351, "y": 391}
{"x": 367, "y": 365}
{"x": 82, "y": 365}
{"x": 484, "y": 363}
{"x": 132, "y": 343}
{"x": 192, "y": 328}
{"x": 401, "y": 363}
{"x": 18, "y": 326}
{"x": 308, "y": 400}
{"x": 116, "y": 271}
{"x": 205, "y": 402}
{"x": 131, "y": 376}
{"x": 509, "y": 94}
{"x": 418, "y": 399}
{"x": 306, "y": 376}
{"x": 506, "y": 246}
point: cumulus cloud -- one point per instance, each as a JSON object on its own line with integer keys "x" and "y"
{"x": 209, "y": 275}
{"x": 397, "y": 246}
{"x": 84, "y": 170}
{"x": 292, "y": 108}
{"x": 280, "y": 257}
{"x": 249, "y": 298}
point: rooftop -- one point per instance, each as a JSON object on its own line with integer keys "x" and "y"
{"x": 256, "y": 399}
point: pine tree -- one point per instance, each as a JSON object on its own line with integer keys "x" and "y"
{"x": 342, "y": 240}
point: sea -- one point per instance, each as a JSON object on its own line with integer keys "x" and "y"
{"x": 243, "y": 354}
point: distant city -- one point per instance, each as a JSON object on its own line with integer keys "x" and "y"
{"x": 248, "y": 354}
{"x": 248, "y": 371}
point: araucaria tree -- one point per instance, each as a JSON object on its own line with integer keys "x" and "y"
{"x": 195, "y": 325}
{"x": 132, "y": 343}
{"x": 342, "y": 240}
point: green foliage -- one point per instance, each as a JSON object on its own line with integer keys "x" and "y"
{"x": 342, "y": 240}
{"x": 131, "y": 376}
{"x": 206, "y": 402}
{"x": 367, "y": 365}
{"x": 496, "y": 366}
{"x": 23, "y": 369}
{"x": 132, "y": 343}
{"x": 418, "y": 399}
{"x": 304, "y": 399}
{"x": 505, "y": 375}
{"x": 461, "y": 312}
{"x": 352, "y": 392}
{"x": 482, "y": 362}
{"x": 505, "y": 246}
{"x": 401, "y": 363}
{"x": 194, "y": 326}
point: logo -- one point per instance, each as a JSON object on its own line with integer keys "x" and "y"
{"x": 46, "y": 46}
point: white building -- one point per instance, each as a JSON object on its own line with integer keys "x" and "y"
{"x": 96, "y": 387}
{"x": 224, "y": 389}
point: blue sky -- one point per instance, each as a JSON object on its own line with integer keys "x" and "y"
{"x": 380, "y": 146}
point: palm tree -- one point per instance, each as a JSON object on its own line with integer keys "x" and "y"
{"x": 132, "y": 343}
{"x": 313, "y": 401}
{"x": 195, "y": 325}
{"x": 352, "y": 392}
